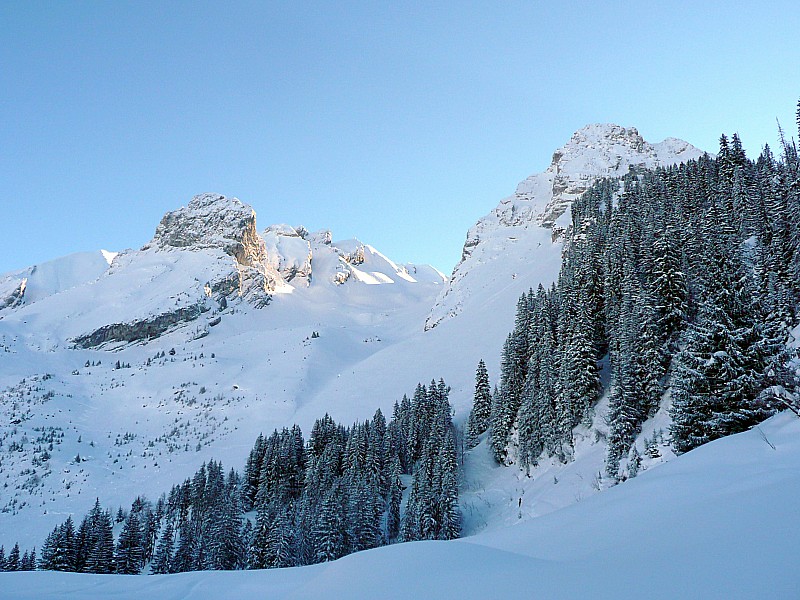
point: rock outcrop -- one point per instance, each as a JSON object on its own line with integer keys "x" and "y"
{"x": 15, "y": 295}
{"x": 214, "y": 221}
{"x": 145, "y": 329}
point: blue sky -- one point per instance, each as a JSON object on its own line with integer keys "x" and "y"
{"x": 397, "y": 123}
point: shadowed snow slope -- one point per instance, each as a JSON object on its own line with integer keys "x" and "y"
{"x": 718, "y": 522}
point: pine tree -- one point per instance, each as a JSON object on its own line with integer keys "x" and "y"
{"x": 13, "y": 560}
{"x": 129, "y": 554}
{"x": 257, "y": 556}
{"x": 279, "y": 542}
{"x": 363, "y": 516}
{"x": 450, "y": 516}
{"x": 101, "y": 555}
{"x": 162, "y": 560}
{"x": 28, "y": 562}
{"x": 46, "y": 562}
{"x": 329, "y": 534}
{"x": 668, "y": 291}
{"x": 480, "y": 415}
{"x": 395, "y": 500}
{"x": 63, "y": 547}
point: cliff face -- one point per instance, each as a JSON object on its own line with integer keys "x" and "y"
{"x": 214, "y": 221}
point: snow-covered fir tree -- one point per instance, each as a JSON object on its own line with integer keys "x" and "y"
{"x": 481, "y": 412}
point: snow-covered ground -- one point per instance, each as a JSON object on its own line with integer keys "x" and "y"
{"x": 718, "y": 522}
{"x": 204, "y": 388}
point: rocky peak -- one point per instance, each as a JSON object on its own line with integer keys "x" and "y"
{"x": 213, "y": 221}
{"x": 543, "y": 201}
{"x": 593, "y": 152}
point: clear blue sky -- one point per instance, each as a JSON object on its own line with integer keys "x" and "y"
{"x": 398, "y": 123}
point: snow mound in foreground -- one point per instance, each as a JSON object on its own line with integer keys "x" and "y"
{"x": 718, "y": 522}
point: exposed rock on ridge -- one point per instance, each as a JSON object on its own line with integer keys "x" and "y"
{"x": 145, "y": 329}
{"x": 214, "y": 221}
{"x": 15, "y": 297}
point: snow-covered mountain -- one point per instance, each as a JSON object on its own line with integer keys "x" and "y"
{"x": 184, "y": 350}
{"x": 519, "y": 239}
{"x": 214, "y": 331}
{"x": 202, "y": 256}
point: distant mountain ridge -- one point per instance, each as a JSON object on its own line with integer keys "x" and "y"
{"x": 201, "y": 256}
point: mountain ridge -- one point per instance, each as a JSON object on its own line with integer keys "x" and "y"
{"x": 541, "y": 202}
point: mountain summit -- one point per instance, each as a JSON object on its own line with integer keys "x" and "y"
{"x": 213, "y": 221}
{"x": 522, "y": 233}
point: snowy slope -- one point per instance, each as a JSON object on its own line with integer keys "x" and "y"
{"x": 718, "y": 522}
{"x": 54, "y": 276}
{"x": 214, "y": 338}
{"x": 507, "y": 252}
{"x": 520, "y": 238}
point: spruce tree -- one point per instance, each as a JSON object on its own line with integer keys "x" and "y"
{"x": 101, "y": 556}
{"x": 129, "y": 555}
{"x": 329, "y": 533}
{"x": 162, "y": 560}
{"x": 395, "y": 500}
{"x": 280, "y": 542}
{"x": 13, "y": 560}
{"x": 480, "y": 414}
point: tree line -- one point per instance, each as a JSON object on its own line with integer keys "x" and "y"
{"x": 296, "y": 502}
